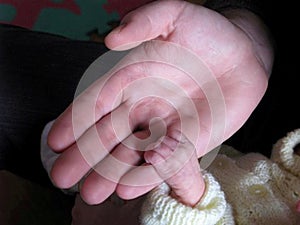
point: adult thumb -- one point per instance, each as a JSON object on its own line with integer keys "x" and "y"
{"x": 154, "y": 20}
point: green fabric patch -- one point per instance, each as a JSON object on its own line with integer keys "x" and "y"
{"x": 70, "y": 18}
{"x": 7, "y": 12}
{"x": 61, "y": 21}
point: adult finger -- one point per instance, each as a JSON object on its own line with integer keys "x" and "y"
{"x": 90, "y": 106}
{"x": 102, "y": 181}
{"x": 146, "y": 23}
{"x": 92, "y": 147}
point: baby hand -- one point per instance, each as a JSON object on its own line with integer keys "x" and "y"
{"x": 175, "y": 161}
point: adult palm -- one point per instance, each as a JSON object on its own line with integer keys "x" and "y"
{"x": 192, "y": 69}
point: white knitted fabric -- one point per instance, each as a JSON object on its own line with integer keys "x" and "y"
{"x": 258, "y": 191}
{"x": 284, "y": 184}
{"x": 254, "y": 197}
{"x": 283, "y": 152}
{"x": 161, "y": 209}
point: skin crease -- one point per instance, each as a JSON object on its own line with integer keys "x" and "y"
{"x": 229, "y": 51}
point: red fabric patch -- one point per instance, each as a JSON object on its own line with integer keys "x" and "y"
{"x": 298, "y": 206}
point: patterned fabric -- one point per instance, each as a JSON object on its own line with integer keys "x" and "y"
{"x": 71, "y": 18}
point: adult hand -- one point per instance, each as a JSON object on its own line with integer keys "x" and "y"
{"x": 191, "y": 40}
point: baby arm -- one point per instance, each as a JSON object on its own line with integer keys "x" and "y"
{"x": 186, "y": 196}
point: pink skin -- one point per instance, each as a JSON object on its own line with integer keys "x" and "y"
{"x": 187, "y": 191}
{"x": 236, "y": 52}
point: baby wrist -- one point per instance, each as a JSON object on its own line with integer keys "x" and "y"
{"x": 160, "y": 208}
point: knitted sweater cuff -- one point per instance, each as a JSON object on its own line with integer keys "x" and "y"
{"x": 283, "y": 152}
{"x": 161, "y": 209}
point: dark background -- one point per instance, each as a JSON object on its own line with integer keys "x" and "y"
{"x": 278, "y": 112}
